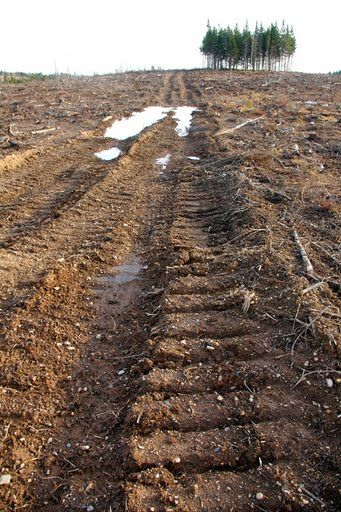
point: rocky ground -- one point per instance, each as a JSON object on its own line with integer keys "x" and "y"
{"x": 170, "y": 334}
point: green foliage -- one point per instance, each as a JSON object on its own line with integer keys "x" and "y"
{"x": 271, "y": 48}
{"x": 17, "y": 78}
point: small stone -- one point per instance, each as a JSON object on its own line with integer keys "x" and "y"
{"x": 209, "y": 347}
{"x": 85, "y": 447}
{"x": 330, "y": 383}
{"x": 5, "y": 479}
{"x": 68, "y": 445}
{"x": 89, "y": 508}
{"x": 98, "y": 336}
{"x": 220, "y": 398}
{"x": 260, "y": 496}
{"x": 121, "y": 372}
{"x": 177, "y": 460}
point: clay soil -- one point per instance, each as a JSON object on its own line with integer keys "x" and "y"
{"x": 164, "y": 344}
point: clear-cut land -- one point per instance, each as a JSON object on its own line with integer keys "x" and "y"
{"x": 170, "y": 318}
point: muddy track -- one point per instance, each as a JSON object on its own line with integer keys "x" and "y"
{"x": 210, "y": 431}
{"x": 148, "y": 305}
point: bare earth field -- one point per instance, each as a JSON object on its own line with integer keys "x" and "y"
{"x": 170, "y": 334}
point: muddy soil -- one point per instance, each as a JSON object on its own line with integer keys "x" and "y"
{"x": 170, "y": 329}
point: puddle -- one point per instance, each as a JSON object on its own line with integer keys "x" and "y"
{"x": 115, "y": 292}
{"x": 123, "y": 274}
{"x": 138, "y": 121}
{"x": 194, "y": 158}
{"x": 163, "y": 161}
{"x": 109, "y": 154}
{"x": 184, "y": 117}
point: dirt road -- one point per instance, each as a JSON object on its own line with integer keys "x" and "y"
{"x": 165, "y": 346}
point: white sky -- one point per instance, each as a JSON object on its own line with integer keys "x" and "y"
{"x": 100, "y": 36}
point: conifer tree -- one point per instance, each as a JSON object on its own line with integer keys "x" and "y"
{"x": 271, "y": 48}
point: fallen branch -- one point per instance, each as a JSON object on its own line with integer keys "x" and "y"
{"x": 312, "y": 287}
{"x": 36, "y": 132}
{"x": 231, "y": 130}
{"x": 157, "y": 291}
{"x": 304, "y": 256}
{"x": 243, "y": 235}
{"x": 305, "y": 374}
{"x": 308, "y": 326}
{"x": 248, "y": 296}
{"x": 13, "y": 132}
{"x": 312, "y": 496}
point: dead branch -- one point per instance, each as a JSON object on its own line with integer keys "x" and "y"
{"x": 106, "y": 119}
{"x": 312, "y": 496}
{"x": 309, "y": 326}
{"x": 232, "y": 130}
{"x": 13, "y": 132}
{"x": 46, "y": 130}
{"x": 312, "y": 287}
{"x": 243, "y": 235}
{"x": 248, "y": 296}
{"x": 304, "y": 256}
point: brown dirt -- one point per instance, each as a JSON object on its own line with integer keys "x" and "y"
{"x": 163, "y": 348}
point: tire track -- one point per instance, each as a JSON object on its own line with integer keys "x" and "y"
{"x": 209, "y": 431}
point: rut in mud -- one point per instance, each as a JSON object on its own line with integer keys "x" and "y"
{"x": 151, "y": 359}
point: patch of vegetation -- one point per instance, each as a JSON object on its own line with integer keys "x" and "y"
{"x": 20, "y": 77}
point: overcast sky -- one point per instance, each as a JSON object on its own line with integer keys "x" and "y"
{"x": 101, "y": 36}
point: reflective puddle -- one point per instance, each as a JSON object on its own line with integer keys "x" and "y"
{"x": 163, "y": 161}
{"x": 184, "y": 117}
{"x": 138, "y": 121}
{"x": 109, "y": 154}
{"x": 115, "y": 292}
{"x": 124, "y": 273}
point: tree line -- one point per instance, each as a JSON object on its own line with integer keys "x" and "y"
{"x": 270, "y": 48}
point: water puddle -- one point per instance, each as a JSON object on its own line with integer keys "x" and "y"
{"x": 184, "y": 117}
{"x": 163, "y": 161}
{"x": 123, "y": 274}
{"x": 109, "y": 154}
{"x": 114, "y": 292}
{"x": 138, "y": 121}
